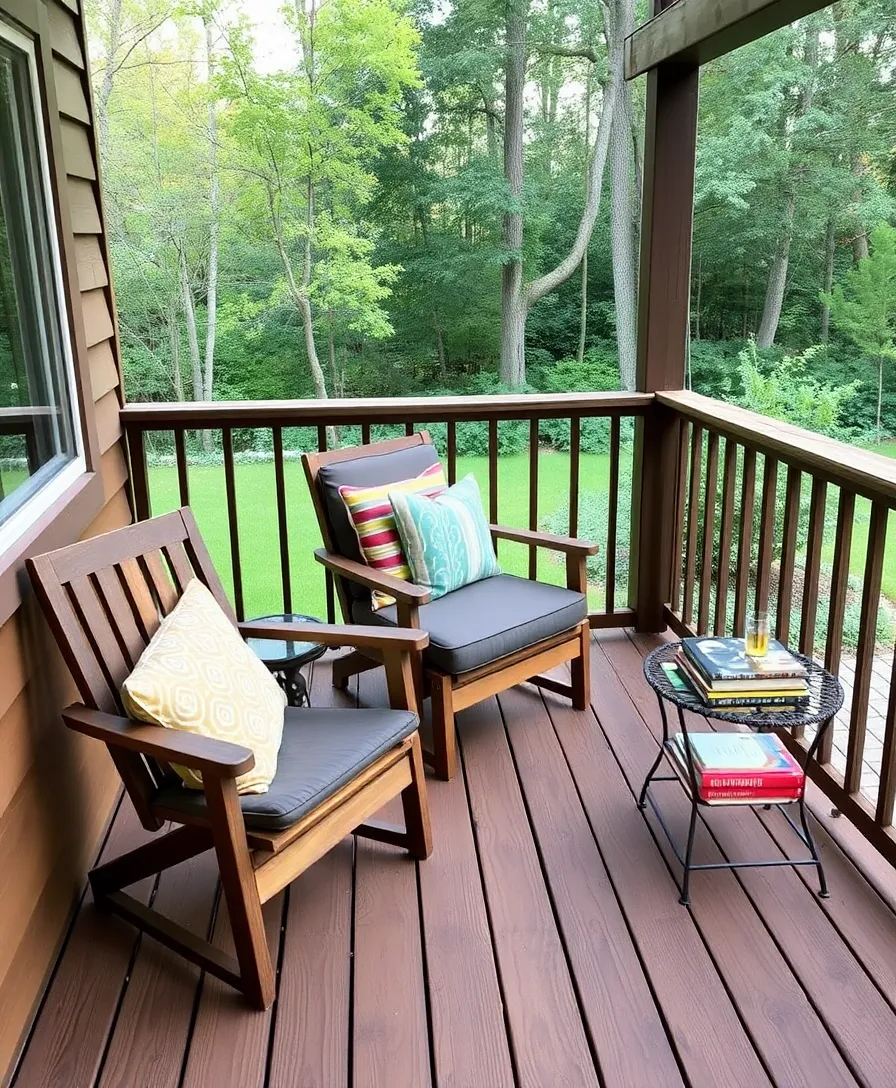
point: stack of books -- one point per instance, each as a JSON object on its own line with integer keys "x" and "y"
{"x": 721, "y": 673}
{"x": 739, "y": 768}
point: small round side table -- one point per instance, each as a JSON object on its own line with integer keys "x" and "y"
{"x": 285, "y": 659}
{"x": 825, "y": 699}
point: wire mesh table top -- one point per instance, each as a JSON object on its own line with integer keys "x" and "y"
{"x": 825, "y": 695}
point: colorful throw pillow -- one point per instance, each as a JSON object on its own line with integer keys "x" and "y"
{"x": 198, "y": 675}
{"x": 446, "y": 538}
{"x": 371, "y": 514}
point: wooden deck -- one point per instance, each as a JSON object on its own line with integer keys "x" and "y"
{"x": 541, "y": 945}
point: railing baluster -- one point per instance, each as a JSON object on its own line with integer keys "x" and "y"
{"x": 230, "y": 487}
{"x": 858, "y": 717}
{"x": 282, "y": 522}
{"x": 813, "y": 564}
{"x": 680, "y": 507}
{"x": 365, "y": 434}
{"x": 612, "y": 515}
{"x": 408, "y": 429}
{"x": 180, "y": 454}
{"x": 709, "y": 531}
{"x": 452, "y": 452}
{"x": 766, "y": 532}
{"x": 886, "y": 794}
{"x": 690, "y": 562}
{"x": 729, "y": 483}
{"x": 139, "y": 474}
{"x": 493, "y": 471}
{"x": 329, "y": 587}
{"x": 792, "y": 496}
{"x": 533, "y": 495}
{"x": 575, "y": 442}
{"x": 744, "y": 541}
{"x": 846, "y": 510}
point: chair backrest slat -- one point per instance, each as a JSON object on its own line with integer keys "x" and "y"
{"x": 139, "y": 597}
{"x": 112, "y": 596}
{"x": 104, "y": 599}
{"x": 101, "y": 635}
{"x": 164, "y": 591}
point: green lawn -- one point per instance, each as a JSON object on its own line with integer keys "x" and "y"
{"x": 257, "y": 520}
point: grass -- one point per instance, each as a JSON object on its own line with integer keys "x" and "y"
{"x": 257, "y": 520}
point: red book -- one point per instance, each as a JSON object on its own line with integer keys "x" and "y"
{"x": 772, "y": 796}
{"x": 744, "y": 761}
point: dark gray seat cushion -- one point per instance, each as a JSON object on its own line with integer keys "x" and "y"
{"x": 486, "y": 620}
{"x": 369, "y": 470}
{"x": 323, "y": 748}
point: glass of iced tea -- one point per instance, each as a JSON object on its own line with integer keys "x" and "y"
{"x": 756, "y": 636}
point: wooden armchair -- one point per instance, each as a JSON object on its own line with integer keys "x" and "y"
{"x": 483, "y": 638}
{"x": 104, "y": 599}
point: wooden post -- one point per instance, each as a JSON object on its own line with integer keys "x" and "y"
{"x": 670, "y": 149}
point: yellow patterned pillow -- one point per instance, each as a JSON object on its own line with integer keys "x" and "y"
{"x": 198, "y": 675}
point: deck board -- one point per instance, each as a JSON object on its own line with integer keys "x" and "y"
{"x": 541, "y": 944}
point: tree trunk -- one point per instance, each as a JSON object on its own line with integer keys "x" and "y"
{"x": 176, "y": 376}
{"x": 698, "y": 302}
{"x": 440, "y": 348}
{"x": 621, "y": 202}
{"x": 880, "y": 392}
{"x": 105, "y": 89}
{"x": 777, "y": 279}
{"x": 513, "y": 307}
{"x": 186, "y": 294}
{"x": 830, "y": 240}
{"x": 211, "y": 293}
{"x": 583, "y": 308}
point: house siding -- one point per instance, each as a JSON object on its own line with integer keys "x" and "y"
{"x": 57, "y": 789}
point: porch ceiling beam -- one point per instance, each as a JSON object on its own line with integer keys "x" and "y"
{"x": 697, "y": 31}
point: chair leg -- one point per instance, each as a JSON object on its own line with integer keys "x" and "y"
{"x": 350, "y": 665}
{"x": 444, "y": 740}
{"x": 240, "y": 891}
{"x": 416, "y": 807}
{"x": 580, "y": 668}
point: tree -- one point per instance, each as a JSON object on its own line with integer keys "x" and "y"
{"x": 307, "y": 140}
{"x": 864, "y": 305}
{"x": 517, "y": 296}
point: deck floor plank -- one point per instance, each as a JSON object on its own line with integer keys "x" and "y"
{"x": 794, "y": 1042}
{"x": 541, "y": 944}
{"x": 162, "y": 986}
{"x": 625, "y": 1026}
{"x": 69, "y": 1039}
{"x": 547, "y": 1034}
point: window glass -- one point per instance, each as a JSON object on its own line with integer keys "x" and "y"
{"x": 38, "y": 437}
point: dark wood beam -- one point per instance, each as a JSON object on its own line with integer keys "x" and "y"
{"x": 697, "y": 31}
{"x": 663, "y": 317}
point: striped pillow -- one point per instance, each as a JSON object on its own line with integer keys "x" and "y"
{"x": 446, "y": 538}
{"x": 373, "y": 519}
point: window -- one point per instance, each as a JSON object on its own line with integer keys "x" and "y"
{"x": 41, "y": 451}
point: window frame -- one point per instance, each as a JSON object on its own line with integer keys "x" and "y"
{"x": 81, "y": 501}
{"x": 48, "y": 493}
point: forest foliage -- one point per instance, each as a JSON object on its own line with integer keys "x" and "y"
{"x": 422, "y": 183}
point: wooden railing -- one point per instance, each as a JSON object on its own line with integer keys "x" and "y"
{"x": 358, "y": 421}
{"x": 754, "y": 499}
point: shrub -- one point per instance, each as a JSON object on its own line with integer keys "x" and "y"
{"x": 594, "y": 510}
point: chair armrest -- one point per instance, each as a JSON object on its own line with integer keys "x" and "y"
{"x": 363, "y": 575}
{"x": 554, "y": 543}
{"x": 219, "y": 758}
{"x": 337, "y": 635}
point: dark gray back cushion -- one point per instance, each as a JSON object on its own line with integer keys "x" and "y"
{"x": 368, "y": 470}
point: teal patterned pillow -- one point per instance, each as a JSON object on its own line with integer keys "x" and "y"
{"x": 446, "y": 539}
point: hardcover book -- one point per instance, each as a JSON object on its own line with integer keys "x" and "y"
{"x": 792, "y": 691}
{"x": 725, "y": 659}
{"x": 741, "y": 760}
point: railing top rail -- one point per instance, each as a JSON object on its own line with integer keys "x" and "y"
{"x": 867, "y": 473}
{"x": 297, "y": 413}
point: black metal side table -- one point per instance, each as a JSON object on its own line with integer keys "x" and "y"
{"x": 285, "y": 659}
{"x": 825, "y": 699}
